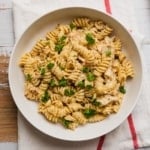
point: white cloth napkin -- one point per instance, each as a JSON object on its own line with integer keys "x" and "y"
{"x": 134, "y": 132}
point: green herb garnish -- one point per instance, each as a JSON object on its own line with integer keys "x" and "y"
{"x": 89, "y": 87}
{"x": 66, "y": 122}
{"x": 28, "y": 77}
{"x": 63, "y": 82}
{"x": 72, "y": 26}
{"x": 108, "y": 53}
{"x": 81, "y": 84}
{"x": 50, "y": 65}
{"x": 122, "y": 89}
{"x": 96, "y": 103}
{"x": 86, "y": 69}
{"x": 58, "y": 48}
{"x": 89, "y": 112}
{"x": 90, "y": 76}
{"x": 90, "y": 39}
{"x": 62, "y": 39}
{"x": 60, "y": 44}
{"x": 69, "y": 92}
{"x": 52, "y": 83}
{"x": 45, "y": 97}
{"x": 42, "y": 71}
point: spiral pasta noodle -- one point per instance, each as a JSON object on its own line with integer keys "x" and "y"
{"x": 77, "y": 73}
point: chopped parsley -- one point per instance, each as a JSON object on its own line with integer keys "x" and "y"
{"x": 28, "y": 77}
{"x": 45, "y": 97}
{"x": 90, "y": 39}
{"x": 66, "y": 122}
{"x": 50, "y": 65}
{"x": 90, "y": 76}
{"x": 60, "y": 44}
{"x": 72, "y": 26}
{"x": 58, "y": 48}
{"x": 52, "y": 83}
{"x": 81, "y": 84}
{"x": 89, "y": 112}
{"x": 69, "y": 92}
{"x": 42, "y": 71}
{"x": 108, "y": 53}
{"x": 122, "y": 89}
{"x": 63, "y": 82}
{"x": 86, "y": 69}
{"x": 96, "y": 103}
{"x": 62, "y": 39}
{"x": 89, "y": 87}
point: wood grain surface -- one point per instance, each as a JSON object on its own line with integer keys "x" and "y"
{"x": 8, "y": 110}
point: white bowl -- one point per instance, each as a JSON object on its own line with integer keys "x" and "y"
{"x": 29, "y": 109}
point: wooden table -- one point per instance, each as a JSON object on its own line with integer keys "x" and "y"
{"x": 8, "y": 110}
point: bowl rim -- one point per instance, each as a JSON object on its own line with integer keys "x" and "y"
{"x": 61, "y": 9}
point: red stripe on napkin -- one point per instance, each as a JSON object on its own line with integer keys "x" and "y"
{"x": 133, "y": 132}
{"x": 101, "y": 141}
{"x": 107, "y": 6}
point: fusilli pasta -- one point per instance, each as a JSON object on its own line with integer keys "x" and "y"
{"x": 77, "y": 73}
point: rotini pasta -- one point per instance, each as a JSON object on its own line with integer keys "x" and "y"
{"x": 77, "y": 73}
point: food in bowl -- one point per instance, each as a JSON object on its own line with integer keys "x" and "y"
{"x": 77, "y": 73}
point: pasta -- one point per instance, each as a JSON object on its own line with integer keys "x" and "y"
{"x": 77, "y": 73}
